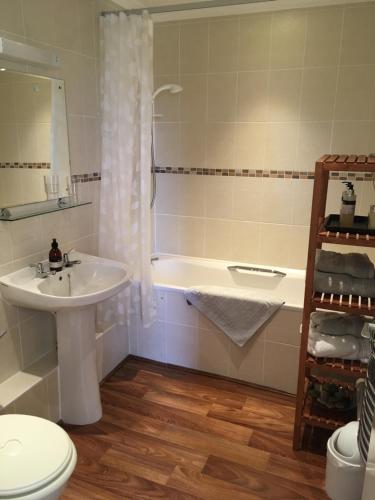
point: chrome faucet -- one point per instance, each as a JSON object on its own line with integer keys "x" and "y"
{"x": 67, "y": 262}
{"x": 40, "y": 272}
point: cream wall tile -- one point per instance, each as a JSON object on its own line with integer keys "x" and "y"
{"x": 26, "y": 237}
{"x": 302, "y": 190}
{"x": 52, "y": 382}
{"x": 275, "y": 205}
{"x": 92, "y": 145}
{"x": 218, "y": 243}
{"x": 284, "y": 95}
{"x": 248, "y": 193}
{"x": 255, "y": 41}
{"x": 298, "y": 243}
{"x": 194, "y": 98}
{"x": 314, "y": 142}
{"x": 179, "y": 312}
{"x": 284, "y": 327}
{"x": 252, "y": 96}
{"x": 67, "y": 24}
{"x": 34, "y": 402}
{"x": 358, "y": 35}
{"x": 194, "y": 47}
{"x": 181, "y": 345}
{"x": 219, "y": 197}
{"x": 223, "y": 45}
{"x": 246, "y": 363}
{"x": 192, "y": 233}
{"x": 168, "y": 193}
{"x": 166, "y": 49}
{"x": 222, "y": 97}
{"x": 213, "y": 348}
{"x": 73, "y": 68}
{"x": 193, "y": 144}
{"x": 288, "y": 38}
{"x": 38, "y": 337}
{"x": 90, "y": 102}
{"x": 77, "y": 150}
{"x": 250, "y": 145}
{"x": 245, "y": 242}
{"x": 28, "y": 143}
{"x": 167, "y": 104}
{"x": 5, "y": 243}
{"x": 87, "y": 24}
{"x": 10, "y": 351}
{"x": 9, "y": 143}
{"x": 318, "y": 93}
{"x": 220, "y": 145}
{"x": 353, "y": 136}
{"x": 151, "y": 342}
{"x": 11, "y": 16}
{"x": 167, "y": 233}
{"x": 167, "y": 144}
{"x": 35, "y": 13}
{"x": 282, "y": 376}
{"x": 358, "y": 104}
{"x": 191, "y": 200}
{"x": 281, "y": 146}
{"x": 7, "y": 106}
{"x": 323, "y": 36}
{"x": 272, "y": 244}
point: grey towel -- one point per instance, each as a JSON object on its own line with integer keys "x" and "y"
{"x": 357, "y": 265}
{"x": 343, "y": 284}
{"x": 238, "y": 312}
{"x": 331, "y": 323}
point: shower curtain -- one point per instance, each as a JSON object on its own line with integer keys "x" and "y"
{"x": 126, "y": 107}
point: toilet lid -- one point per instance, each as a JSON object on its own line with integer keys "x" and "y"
{"x": 33, "y": 452}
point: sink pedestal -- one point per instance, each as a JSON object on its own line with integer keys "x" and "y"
{"x": 79, "y": 386}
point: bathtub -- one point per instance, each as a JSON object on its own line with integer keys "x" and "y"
{"x": 183, "y": 336}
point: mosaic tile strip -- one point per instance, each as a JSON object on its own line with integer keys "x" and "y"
{"x": 95, "y": 176}
{"x": 273, "y": 174}
{"x": 24, "y": 165}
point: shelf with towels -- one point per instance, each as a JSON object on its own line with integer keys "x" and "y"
{"x": 352, "y": 304}
{"x": 353, "y": 368}
{"x": 307, "y": 412}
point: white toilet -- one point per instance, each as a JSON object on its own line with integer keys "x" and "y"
{"x": 37, "y": 458}
{"x": 345, "y": 469}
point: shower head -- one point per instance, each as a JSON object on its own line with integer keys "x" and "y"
{"x": 173, "y": 88}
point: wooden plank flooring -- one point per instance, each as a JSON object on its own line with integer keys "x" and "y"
{"x": 167, "y": 433}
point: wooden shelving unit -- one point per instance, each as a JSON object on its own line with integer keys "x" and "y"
{"x": 308, "y": 412}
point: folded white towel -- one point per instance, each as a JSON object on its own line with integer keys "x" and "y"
{"x": 343, "y": 346}
{"x": 236, "y": 311}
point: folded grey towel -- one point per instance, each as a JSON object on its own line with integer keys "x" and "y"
{"x": 355, "y": 264}
{"x": 343, "y": 284}
{"x": 336, "y": 324}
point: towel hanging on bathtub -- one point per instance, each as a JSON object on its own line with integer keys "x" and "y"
{"x": 237, "y": 311}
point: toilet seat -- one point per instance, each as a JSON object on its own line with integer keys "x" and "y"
{"x": 34, "y": 453}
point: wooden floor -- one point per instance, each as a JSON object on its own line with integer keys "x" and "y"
{"x": 169, "y": 433}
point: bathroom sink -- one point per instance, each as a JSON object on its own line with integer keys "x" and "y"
{"x": 71, "y": 296}
{"x": 88, "y": 283}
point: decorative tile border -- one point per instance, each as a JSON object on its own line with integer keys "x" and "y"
{"x": 272, "y": 174}
{"x": 95, "y": 176}
{"x": 24, "y": 165}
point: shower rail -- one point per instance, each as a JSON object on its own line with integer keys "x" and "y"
{"x": 257, "y": 270}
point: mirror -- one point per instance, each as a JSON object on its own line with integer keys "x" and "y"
{"x": 34, "y": 151}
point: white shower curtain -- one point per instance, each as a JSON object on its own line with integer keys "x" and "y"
{"x": 126, "y": 106}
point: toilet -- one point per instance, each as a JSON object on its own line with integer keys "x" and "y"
{"x": 37, "y": 458}
{"x": 345, "y": 469}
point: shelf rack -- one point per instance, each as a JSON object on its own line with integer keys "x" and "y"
{"x": 307, "y": 412}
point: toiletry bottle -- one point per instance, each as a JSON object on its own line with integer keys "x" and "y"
{"x": 348, "y": 201}
{"x": 55, "y": 257}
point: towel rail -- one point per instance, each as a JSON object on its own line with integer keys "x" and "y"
{"x": 257, "y": 270}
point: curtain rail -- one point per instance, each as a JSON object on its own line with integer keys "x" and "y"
{"x": 186, "y": 6}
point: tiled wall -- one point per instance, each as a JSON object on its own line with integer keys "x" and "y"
{"x": 29, "y": 341}
{"x": 269, "y": 91}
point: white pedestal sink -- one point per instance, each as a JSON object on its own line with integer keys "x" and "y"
{"x": 72, "y": 295}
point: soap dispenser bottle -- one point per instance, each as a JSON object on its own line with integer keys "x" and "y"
{"x": 55, "y": 257}
{"x": 348, "y": 202}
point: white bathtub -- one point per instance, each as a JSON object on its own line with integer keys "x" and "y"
{"x": 184, "y": 337}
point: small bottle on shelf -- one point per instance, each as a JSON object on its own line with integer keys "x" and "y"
{"x": 348, "y": 202}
